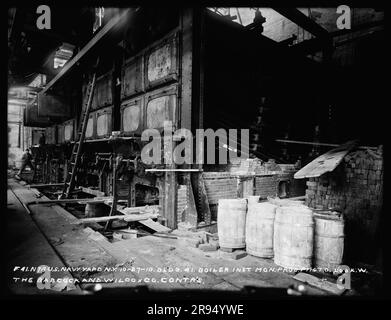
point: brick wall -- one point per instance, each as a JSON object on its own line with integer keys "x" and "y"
{"x": 225, "y": 185}
{"x": 354, "y": 188}
{"x": 266, "y": 186}
{"x": 220, "y": 185}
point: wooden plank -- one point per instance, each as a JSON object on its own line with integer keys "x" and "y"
{"x": 303, "y": 21}
{"x": 191, "y": 210}
{"x": 143, "y": 216}
{"x": 154, "y": 225}
{"x": 91, "y": 44}
{"x": 109, "y": 202}
{"x": 46, "y": 185}
{"x": 318, "y": 283}
{"x": 204, "y": 203}
{"x": 96, "y": 193}
{"x": 127, "y": 218}
{"x": 92, "y": 201}
{"x": 62, "y": 201}
{"x": 130, "y": 210}
{"x": 326, "y": 162}
{"x": 22, "y": 203}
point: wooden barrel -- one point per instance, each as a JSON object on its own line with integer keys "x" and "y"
{"x": 285, "y": 202}
{"x": 252, "y": 199}
{"x": 328, "y": 240}
{"x": 293, "y": 236}
{"x": 260, "y": 229}
{"x": 231, "y": 223}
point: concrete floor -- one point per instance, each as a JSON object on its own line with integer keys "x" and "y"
{"x": 51, "y": 236}
{"x": 28, "y": 247}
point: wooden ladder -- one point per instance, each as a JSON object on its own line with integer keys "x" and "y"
{"x": 69, "y": 184}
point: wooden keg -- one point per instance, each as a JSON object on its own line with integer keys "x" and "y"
{"x": 260, "y": 229}
{"x": 252, "y": 199}
{"x": 328, "y": 239}
{"x": 293, "y": 236}
{"x": 231, "y": 223}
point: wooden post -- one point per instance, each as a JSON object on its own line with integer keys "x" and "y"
{"x": 204, "y": 202}
{"x": 191, "y": 117}
{"x": 113, "y": 209}
{"x": 170, "y": 185}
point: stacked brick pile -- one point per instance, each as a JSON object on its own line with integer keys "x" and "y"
{"x": 263, "y": 178}
{"x": 220, "y": 185}
{"x": 266, "y": 186}
{"x": 354, "y": 188}
{"x": 247, "y": 166}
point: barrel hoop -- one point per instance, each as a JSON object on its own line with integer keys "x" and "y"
{"x": 295, "y": 224}
{"x": 293, "y": 256}
{"x": 267, "y": 254}
{"x": 327, "y": 236}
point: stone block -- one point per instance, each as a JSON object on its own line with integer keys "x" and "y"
{"x": 238, "y": 254}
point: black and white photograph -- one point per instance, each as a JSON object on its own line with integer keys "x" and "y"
{"x": 199, "y": 151}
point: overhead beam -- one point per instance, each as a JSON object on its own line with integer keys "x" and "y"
{"x": 50, "y": 34}
{"x": 359, "y": 27}
{"x": 303, "y": 21}
{"x": 11, "y": 20}
{"x": 107, "y": 28}
{"x": 360, "y": 37}
{"x": 288, "y": 41}
{"x": 310, "y": 46}
{"x": 318, "y": 44}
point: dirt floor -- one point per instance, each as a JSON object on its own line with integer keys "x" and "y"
{"x": 51, "y": 236}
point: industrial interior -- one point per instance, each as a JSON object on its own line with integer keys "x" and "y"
{"x": 306, "y": 201}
